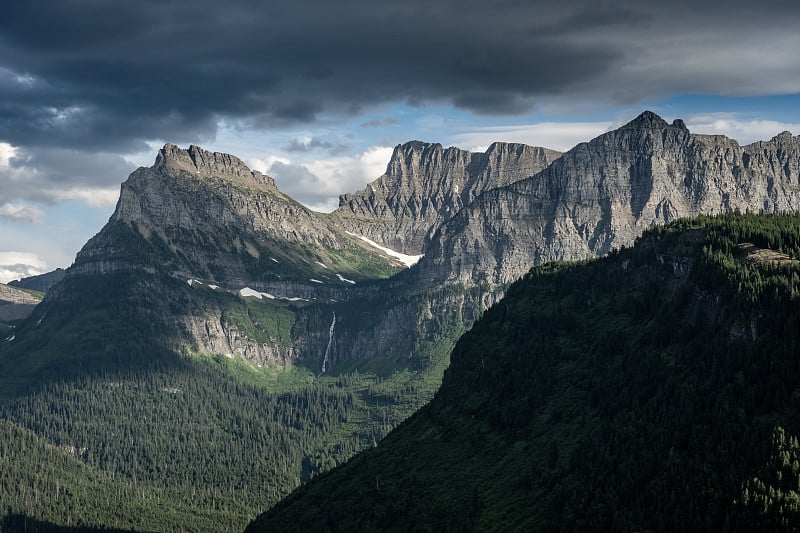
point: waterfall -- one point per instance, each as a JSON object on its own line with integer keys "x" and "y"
{"x": 328, "y": 348}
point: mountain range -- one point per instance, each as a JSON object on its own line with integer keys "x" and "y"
{"x": 279, "y": 342}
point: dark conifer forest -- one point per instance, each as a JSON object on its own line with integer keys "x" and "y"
{"x": 655, "y": 389}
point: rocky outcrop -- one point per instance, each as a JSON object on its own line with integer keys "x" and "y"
{"x": 602, "y": 194}
{"x": 212, "y": 334}
{"x": 16, "y": 304}
{"x": 426, "y": 184}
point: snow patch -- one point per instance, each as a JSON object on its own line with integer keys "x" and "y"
{"x": 315, "y": 280}
{"x": 11, "y": 338}
{"x": 213, "y": 287}
{"x": 407, "y": 260}
{"x": 247, "y": 291}
{"x": 321, "y": 264}
{"x": 342, "y": 278}
{"x": 272, "y": 258}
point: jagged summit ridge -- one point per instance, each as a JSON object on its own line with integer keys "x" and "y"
{"x": 219, "y": 221}
{"x": 647, "y": 120}
{"x": 602, "y": 194}
{"x": 196, "y": 160}
{"x": 426, "y": 184}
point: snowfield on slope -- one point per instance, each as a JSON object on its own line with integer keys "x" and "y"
{"x": 407, "y": 260}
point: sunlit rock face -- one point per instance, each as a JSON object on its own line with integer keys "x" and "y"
{"x": 602, "y": 194}
{"x": 426, "y": 184}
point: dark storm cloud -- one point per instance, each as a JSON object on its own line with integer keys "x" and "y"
{"x": 108, "y": 75}
{"x": 47, "y": 175}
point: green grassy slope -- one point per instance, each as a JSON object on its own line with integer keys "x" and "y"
{"x": 657, "y": 389}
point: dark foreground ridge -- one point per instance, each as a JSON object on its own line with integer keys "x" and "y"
{"x": 655, "y": 389}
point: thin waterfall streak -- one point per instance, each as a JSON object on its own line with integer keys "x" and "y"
{"x": 330, "y": 343}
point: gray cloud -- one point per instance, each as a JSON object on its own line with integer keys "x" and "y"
{"x": 378, "y": 122}
{"x": 17, "y": 265}
{"x": 47, "y": 175}
{"x": 108, "y": 76}
{"x": 300, "y": 183}
{"x": 21, "y": 213}
{"x": 309, "y": 144}
{"x": 318, "y": 184}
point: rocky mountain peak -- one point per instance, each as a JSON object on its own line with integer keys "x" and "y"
{"x": 783, "y": 137}
{"x": 649, "y": 120}
{"x": 196, "y": 160}
{"x": 416, "y": 159}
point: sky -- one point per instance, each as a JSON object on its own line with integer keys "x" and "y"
{"x": 317, "y": 93}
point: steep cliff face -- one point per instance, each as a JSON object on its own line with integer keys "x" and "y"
{"x": 207, "y": 216}
{"x": 602, "y": 194}
{"x": 426, "y": 184}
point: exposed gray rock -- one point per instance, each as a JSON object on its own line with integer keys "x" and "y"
{"x": 212, "y": 334}
{"x": 602, "y": 194}
{"x": 15, "y": 303}
{"x": 426, "y": 184}
{"x": 207, "y": 216}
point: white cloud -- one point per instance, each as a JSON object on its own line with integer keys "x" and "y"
{"x": 16, "y": 265}
{"x": 6, "y": 153}
{"x": 744, "y": 130}
{"x": 96, "y": 197}
{"x": 263, "y": 165}
{"x": 345, "y": 174}
{"x": 53, "y": 175}
{"x": 556, "y": 135}
{"x": 318, "y": 183}
{"x": 21, "y": 213}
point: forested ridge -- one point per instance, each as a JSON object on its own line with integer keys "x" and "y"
{"x": 133, "y": 430}
{"x": 655, "y": 389}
